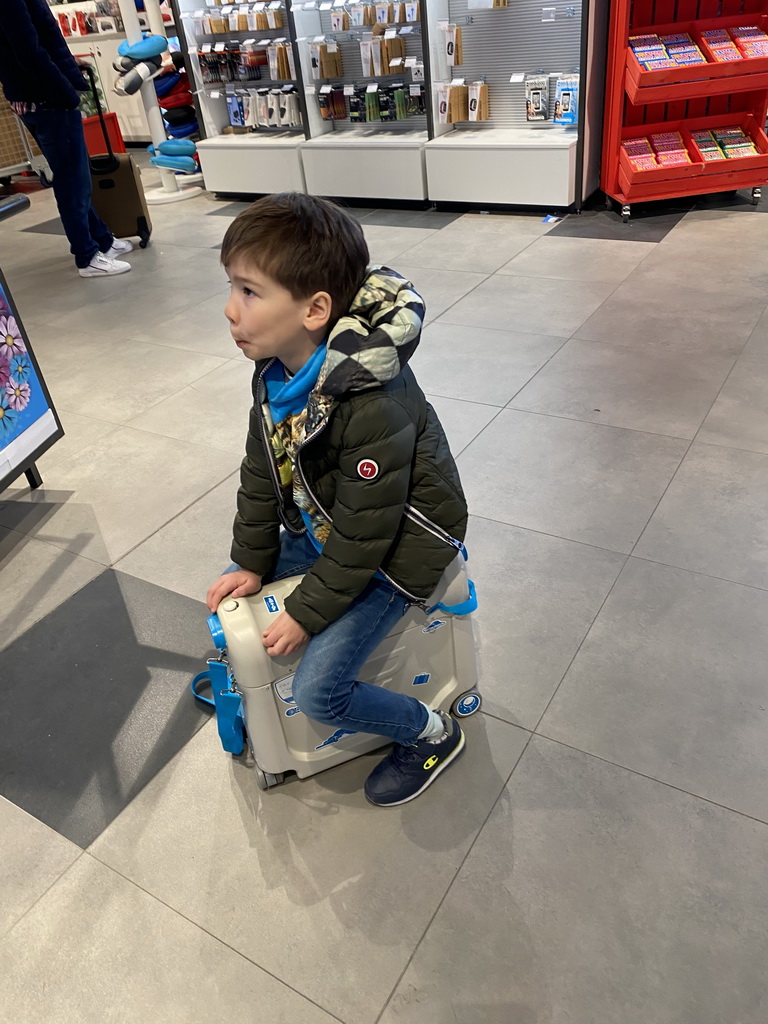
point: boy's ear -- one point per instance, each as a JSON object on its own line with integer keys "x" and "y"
{"x": 318, "y": 311}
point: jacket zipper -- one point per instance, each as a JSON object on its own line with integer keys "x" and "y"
{"x": 437, "y": 531}
{"x": 268, "y": 453}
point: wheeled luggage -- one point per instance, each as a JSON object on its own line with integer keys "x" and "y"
{"x": 430, "y": 657}
{"x": 118, "y": 195}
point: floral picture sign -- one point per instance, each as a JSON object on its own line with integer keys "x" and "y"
{"x": 27, "y": 421}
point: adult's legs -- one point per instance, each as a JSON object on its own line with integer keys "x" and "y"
{"x": 59, "y": 134}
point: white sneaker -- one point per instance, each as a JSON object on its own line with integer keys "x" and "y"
{"x": 101, "y": 266}
{"x": 119, "y": 247}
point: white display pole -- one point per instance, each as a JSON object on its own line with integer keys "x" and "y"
{"x": 171, "y": 191}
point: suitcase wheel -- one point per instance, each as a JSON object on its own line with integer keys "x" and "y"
{"x": 144, "y": 232}
{"x": 264, "y": 780}
{"x": 467, "y": 704}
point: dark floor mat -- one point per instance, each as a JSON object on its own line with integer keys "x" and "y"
{"x": 410, "y": 219}
{"x": 649, "y": 222}
{"x": 48, "y": 227}
{"x": 740, "y": 201}
{"x": 228, "y": 210}
{"x": 96, "y": 701}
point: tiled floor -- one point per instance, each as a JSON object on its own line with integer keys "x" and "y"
{"x": 599, "y": 855}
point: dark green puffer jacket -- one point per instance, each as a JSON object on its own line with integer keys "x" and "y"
{"x": 374, "y": 458}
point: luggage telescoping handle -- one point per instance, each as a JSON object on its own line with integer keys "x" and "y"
{"x": 113, "y": 163}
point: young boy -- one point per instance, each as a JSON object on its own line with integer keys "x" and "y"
{"x": 345, "y": 453}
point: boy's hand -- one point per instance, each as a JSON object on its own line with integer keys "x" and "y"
{"x": 284, "y": 636}
{"x": 233, "y": 584}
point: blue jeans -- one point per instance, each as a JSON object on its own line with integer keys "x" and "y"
{"x": 59, "y": 134}
{"x": 325, "y": 686}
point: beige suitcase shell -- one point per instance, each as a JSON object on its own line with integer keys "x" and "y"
{"x": 429, "y": 657}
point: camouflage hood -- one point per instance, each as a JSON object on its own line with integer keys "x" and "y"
{"x": 373, "y": 342}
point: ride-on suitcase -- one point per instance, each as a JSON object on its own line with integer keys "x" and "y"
{"x": 118, "y": 195}
{"x": 431, "y": 657}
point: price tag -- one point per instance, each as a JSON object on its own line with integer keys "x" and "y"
{"x": 396, "y": 62}
{"x": 319, "y": 39}
{"x": 249, "y": 42}
{"x": 547, "y": 13}
{"x": 310, "y": 6}
{"x": 349, "y": 90}
{"x": 215, "y": 95}
{"x": 264, "y": 42}
{"x": 415, "y": 90}
{"x": 406, "y": 29}
{"x": 332, "y": 47}
{"x": 517, "y": 78}
{"x": 411, "y": 62}
{"x": 297, "y": 7}
{"x": 226, "y": 10}
{"x": 276, "y": 5}
{"x": 457, "y": 81}
{"x": 373, "y": 87}
{"x": 206, "y": 48}
{"x": 390, "y": 33}
{"x": 325, "y": 89}
{"x": 259, "y": 8}
{"x": 326, "y": 7}
{"x": 282, "y": 39}
{"x": 310, "y": 90}
{"x": 339, "y": 3}
{"x": 219, "y": 47}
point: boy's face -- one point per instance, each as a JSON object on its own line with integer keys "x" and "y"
{"x": 264, "y": 318}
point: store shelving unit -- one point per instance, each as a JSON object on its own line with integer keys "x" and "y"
{"x": 507, "y": 159}
{"x": 683, "y": 99}
{"x": 372, "y": 158}
{"x": 264, "y": 158}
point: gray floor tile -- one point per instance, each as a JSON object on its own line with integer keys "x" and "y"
{"x": 479, "y": 365}
{"x": 201, "y": 328}
{"x": 85, "y": 507}
{"x": 474, "y": 244}
{"x": 124, "y": 300}
{"x": 303, "y": 879}
{"x": 739, "y": 417}
{"x": 531, "y": 305}
{"x": 226, "y": 398}
{"x": 594, "y": 895}
{"x": 578, "y": 259}
{"x": 719, "y": 229}
{"x": 117, "y": 387}
{"x": 650, "y": 389}
{"x": 713, "y": 517}
{"x": 694, "y": 265}
{"x": 538, "y": 597}
{"x": 188, "y": 554}
{"x": 34, "y": 579}
{"x": 387, "y": 243}
{"x": 579, "y": 481}
{"x": 79, "y": 432}
{"x": 410, "y": 218}
{"x": 439, "y": 288}
{"x": 670, "y": 682}
{"x": 34, "y": 856}
{"x": 110, "y": 953}
{"x": 669, "y": 315}
{"x": 462, "y": 421}
{"x": 102, "y": 685}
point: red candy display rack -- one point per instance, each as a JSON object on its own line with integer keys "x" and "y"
{"x": 721, "y": 94}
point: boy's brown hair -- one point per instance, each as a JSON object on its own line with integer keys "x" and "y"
{"x": 305, "y": 243}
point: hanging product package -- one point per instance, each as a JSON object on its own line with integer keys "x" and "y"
{"x": 478, "y": 102}
{"x": 365, "y": 58}
{"x": 567, "y": 100}
{"x": 458, "y": 103}
{"x": 262, "y": 108}
{"x": 537, "y": 97}
{"x": 453, "y": 49}
{"x": 412, "y": 11}
{"x": 376, "y": 56}
{"x": 442, "y": 103}
{"x": 340, "y": 21}
{"x": 274, "y": 107}
{"x": 289, "y": 107}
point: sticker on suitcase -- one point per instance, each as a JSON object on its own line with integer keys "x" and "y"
{"x": 435, "y": 624}
{"x": 271, "y": 603}
{"x": 421, "y": 679}
{"x": 339, "y": 734}
{"x": 284, "y": 689}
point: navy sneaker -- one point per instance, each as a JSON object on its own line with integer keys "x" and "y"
{"x": 407, "y": 770}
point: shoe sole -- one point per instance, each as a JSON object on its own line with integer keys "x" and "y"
{"x": 104, "y": 273}
{"x": 456, "y": 752}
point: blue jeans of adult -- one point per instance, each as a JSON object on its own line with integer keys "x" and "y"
{"x": 59, "y": 134}
{"x": 325, "y": 686}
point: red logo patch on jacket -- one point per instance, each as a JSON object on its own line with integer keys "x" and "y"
{"x": 367, "y": 469}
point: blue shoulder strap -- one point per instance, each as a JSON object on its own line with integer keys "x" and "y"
{"x": 465, "y": 608}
